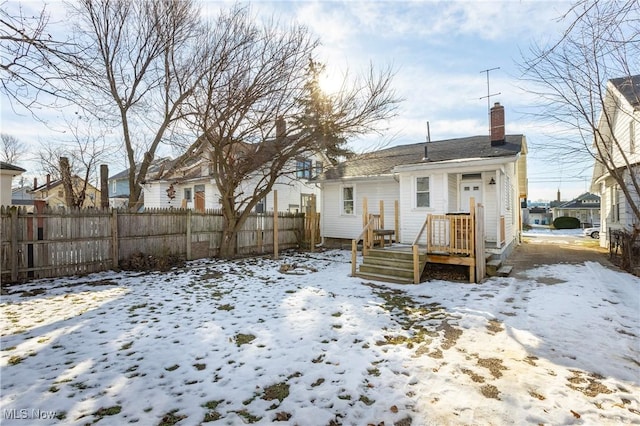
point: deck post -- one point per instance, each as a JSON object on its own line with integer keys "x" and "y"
{"x": 354, "y": 253}
{"x": 416, "y": 264}
{"x": 397, "y": 219}
{"x": 381, "y": 214}
{"x": 365, "y": 212}
{"x": 312, "y": 218}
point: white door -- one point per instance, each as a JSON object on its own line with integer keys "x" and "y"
{"x": 468, "y": 189}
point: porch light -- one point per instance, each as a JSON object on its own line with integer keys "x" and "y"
{"x": 492, "y": 181}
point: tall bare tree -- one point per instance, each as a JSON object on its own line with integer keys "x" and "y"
{"x": 241, "y": 113}
{"x": 12, "y": 149}
{"x": 31, "y": 59}
{"x": 601, "y": 42}
{"x": 150, "y": 55}
{"x": 83, "y": 151}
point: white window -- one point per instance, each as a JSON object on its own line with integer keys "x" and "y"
{"x": 422, "y": 192}
{"x": 114, "y": 187}
{"x": 348, "y": 200}
{"x": 187, "y": 194}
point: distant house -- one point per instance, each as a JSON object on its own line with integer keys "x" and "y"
{"x": 119, "y": 183}
{"x": 585, "y": 207}
{"x": 7, "y": 173}
{"x": 192, "y": 185}
{"x": 432, "y": 178}
{"x": 619, "y": 121}
{"x": 22, "y": 196}
{"x": 52, "y": 193}
{"x": 538, "y": 216}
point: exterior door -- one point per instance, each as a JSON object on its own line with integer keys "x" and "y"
{"x": 468, "y": 189}
{"x": 199, "y": 201}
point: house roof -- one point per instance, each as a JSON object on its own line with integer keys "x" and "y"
{"x": 153, "y": 168}
{"x": 11, "y": 167}
{"x": 584, "y": 201}
{"x": 57, "y": 182}
{"x": 384, "y": 161}
{"x": 629, "y": 87}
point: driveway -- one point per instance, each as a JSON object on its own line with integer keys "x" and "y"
{"x": 549, "y": 249}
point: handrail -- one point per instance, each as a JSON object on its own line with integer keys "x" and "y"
{"x": 365, "y": 229}
{"x": 417, "y": 238}
{"x": 354, "y": 245}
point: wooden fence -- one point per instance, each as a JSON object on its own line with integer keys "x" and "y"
{"x": 54, "y": 243}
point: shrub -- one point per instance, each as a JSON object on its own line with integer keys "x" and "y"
{"x": 566, "y": 222}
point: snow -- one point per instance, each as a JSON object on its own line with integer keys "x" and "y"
{"x": 139, "y": 348}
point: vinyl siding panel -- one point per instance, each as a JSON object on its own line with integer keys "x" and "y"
{"x": 335, "y": 224}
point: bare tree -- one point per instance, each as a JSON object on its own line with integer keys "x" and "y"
{"x": 76, "y": 160}
{"x": 31, "y": 59}
{"x": 12, "y": 149}
{"x": 240, "y": 111}
{"x": 602, "y": 42}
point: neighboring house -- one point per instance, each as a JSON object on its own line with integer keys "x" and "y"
{"x": 7, "y": 173}
{"x": 192, "y": 185}
{"x": 432, "y": 178}
{"x": 622, "y": 121}
{"x": 585, "y": 207}
{"x": 52, "y": 192}
{"x": 538, "y": 216}
{"x": 22, "y": 196}
{"x": 119, "y": 183}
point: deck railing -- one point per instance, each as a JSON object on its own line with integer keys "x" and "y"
{"x": 451, "y": 234}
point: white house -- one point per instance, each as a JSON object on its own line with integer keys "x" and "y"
{"x": 7, "y": 173}
{"x": 191, "y": 184}
{"x": 432, "y": 177}
{"x": 619, "y": 136}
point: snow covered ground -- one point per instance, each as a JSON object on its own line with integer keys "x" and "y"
{"x": 301, "y": 342}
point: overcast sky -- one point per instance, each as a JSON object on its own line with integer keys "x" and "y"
{"x": 439, "y": 51}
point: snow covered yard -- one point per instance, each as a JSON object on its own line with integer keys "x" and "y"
{"x": 299, "y": 341}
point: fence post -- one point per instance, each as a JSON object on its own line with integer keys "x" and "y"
{"x": 14, "y": 244}
{"x": 114, "y": 238}
{"x": 189, "y": 234}
{"x": 416, "y": 264}
{"x": 312, "y": 220}
{"x": 275, "y": 224}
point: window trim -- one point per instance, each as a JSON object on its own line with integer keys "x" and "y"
{"x": 343, "y": 212}
{"x": 304, "y": 168}
{"x": 415, "y": 192}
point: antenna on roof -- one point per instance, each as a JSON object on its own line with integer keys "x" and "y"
{"x": 428, "y": 133}
{"x": 489, "y": 94}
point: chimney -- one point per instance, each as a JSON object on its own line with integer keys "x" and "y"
{"x": 48, "y": 180}
{"x": 35, "y": 183}
{"x": 281, "y": 128}
{"x": 558, "y": 200}
{"x": 426, "y": 153}
{"x": 497, "y": 125}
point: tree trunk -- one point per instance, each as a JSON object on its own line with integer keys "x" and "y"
{"x": 65, "y": 172}
{"x": 229, "y": 243}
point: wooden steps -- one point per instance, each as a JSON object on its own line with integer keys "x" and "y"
{"x": 393, "y": 265}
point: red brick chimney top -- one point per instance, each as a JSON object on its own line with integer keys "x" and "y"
{"x": 497, "y": 125}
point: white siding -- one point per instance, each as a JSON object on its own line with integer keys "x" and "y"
{"x": 155, "y": 195}
{"x": 337, "y": 225}
{"x": 412, "y": 217}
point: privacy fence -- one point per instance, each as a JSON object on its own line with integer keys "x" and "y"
{"x": 55, "y": 243}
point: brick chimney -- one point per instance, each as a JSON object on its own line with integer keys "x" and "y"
{"x": 497, "y": 125}
{"x": 48, "y": 180}
{"x": 35, "y": 183}
{"x": 281, "y": 128}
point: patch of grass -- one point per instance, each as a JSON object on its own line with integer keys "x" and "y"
{"x": 250, "y": 418}
{"x": 15, "y": 360}
{"x": 317, "y": 382}
{"x": 43, "y": 340}
{"x": 54, "y": 389}
{"x": 199, "y": 366}
{"x": 134, "y": 307}
{"x": 171, "y": 418}
{"x": 126, "y": 346}
{"x": 226, "y": 307}
{"x": 365, "y": 400}
{"x": 345, "y": 397}
{"x": 373, "y": 372}
{"x": 110, "y": 411}
{"x": 336, "y": 314}
{"x": 278, "y": 391}
{"x": 172, "y": 368}
{"x": 10, "y": 348}
{"x": 242, "y": 339}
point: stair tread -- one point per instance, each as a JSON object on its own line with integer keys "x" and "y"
{"x": 384, "y": 278}
{"x": 505, "y": 271}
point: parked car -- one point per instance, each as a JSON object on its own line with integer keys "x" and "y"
{"x": 591, "y": 232}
